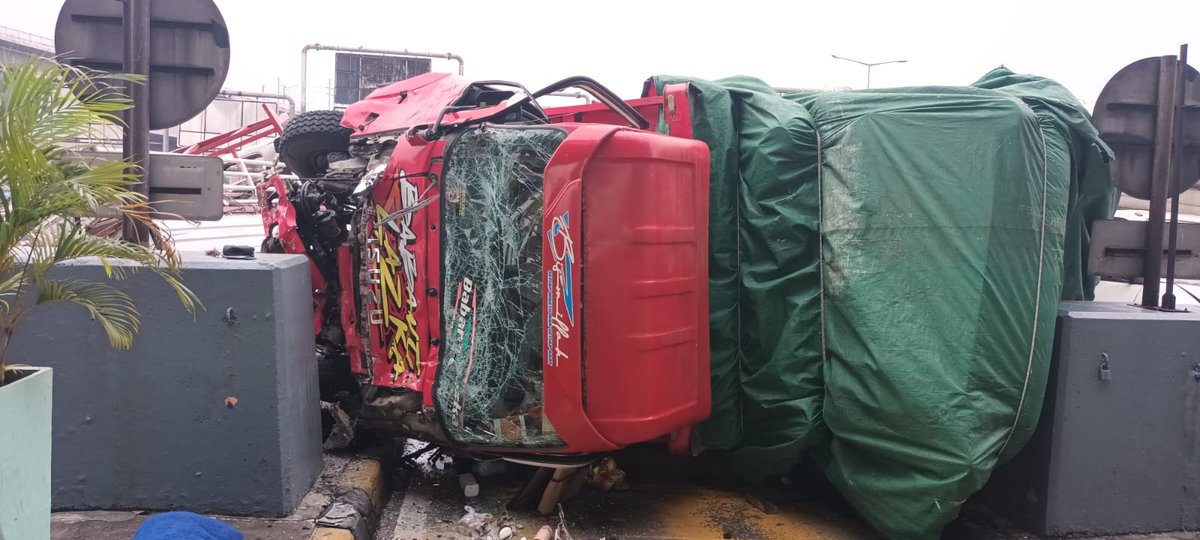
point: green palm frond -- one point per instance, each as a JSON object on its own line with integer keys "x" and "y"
{"x": 71, "y": 241}
{"x": 113, "y": 309}
{"x": 48, "y": 191}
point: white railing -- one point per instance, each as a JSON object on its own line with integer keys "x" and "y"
{"x": 242, "y": 178}
{"x": 17, "y": 37}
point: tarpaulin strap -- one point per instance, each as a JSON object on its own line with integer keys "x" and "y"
{"x": 821, "y": 239}
{"x": 1037, "y": 295}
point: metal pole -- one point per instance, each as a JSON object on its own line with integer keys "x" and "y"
{"x": 304, "y": 78}
{"x": 136, "y": 147}
{"x": 577, "y": 95}
{"x": 868, "y": 65}
{"x": 266, "y": 95}
{"x": 1164, "y": 124}
{"x": 1174, "y": 173}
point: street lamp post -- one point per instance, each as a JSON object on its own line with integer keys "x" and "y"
{"x": 869, "y": 65}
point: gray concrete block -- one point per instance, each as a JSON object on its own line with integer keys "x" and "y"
{"x": 1117, "y": 448}
{"x": 216, "y": 412}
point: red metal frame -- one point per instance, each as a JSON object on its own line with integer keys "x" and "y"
{"x": 673, "y": 106}
{"x": 232, "y": 141}
{"x": 279, "y": 219}
{"x": 354, "y": 343}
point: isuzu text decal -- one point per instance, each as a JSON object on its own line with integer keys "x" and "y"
{"x": 399, "y": 305}
{"x": 560, "y": 296}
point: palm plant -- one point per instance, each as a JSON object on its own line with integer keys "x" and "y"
{"x": 47, "y": 192}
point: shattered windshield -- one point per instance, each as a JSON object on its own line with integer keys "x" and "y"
{"x": 489, "y": 380}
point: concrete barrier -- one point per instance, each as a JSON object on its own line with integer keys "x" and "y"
{"x": 216, "y": 412}
{"x": 1117, "y": 447}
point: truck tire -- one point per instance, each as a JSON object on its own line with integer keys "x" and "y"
{"x": 313, "y": 139}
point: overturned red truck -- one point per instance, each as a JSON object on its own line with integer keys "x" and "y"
{"x": 866, "y": 280}
{"x": 500, "y": 277}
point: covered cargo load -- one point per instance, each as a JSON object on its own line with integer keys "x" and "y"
{"x": 885, "y": 271}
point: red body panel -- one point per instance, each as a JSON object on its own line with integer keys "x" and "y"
{"x": 562, "y": 296}
{"x": 625, "y": 258}
{"x": 404, "y": 104}
{"x": 401, "y": 336}
{"x": 433, "y": 315}
{"x": 645, "y": 283}
{"x": 418, "y": 101}
{"x": 349, "y": 311}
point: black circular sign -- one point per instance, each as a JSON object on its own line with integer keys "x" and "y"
{"x": 189, "y": 51}
{"x": 1126, "y": 115}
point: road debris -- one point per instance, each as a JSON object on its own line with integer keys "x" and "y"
{"x": 485, "y": 526}
{"x": 342, "y": 432}
{"x": 556, "y": 489}
{"x": 605, "y": 475}
{"x": 341, "y": 515}
{"x": 172, "y": 525}
{"x": 469, "y": 486}
{"x": 244, "y": 253}
{"x": 560, "y": 531}
{"x": 475, "y": 521}
{"x": 760, "y": 503}
{"x": 545, "y": 533}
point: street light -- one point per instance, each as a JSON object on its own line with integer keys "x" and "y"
{"x": 869, "y": 65}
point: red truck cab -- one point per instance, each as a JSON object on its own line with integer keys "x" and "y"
{"x": 538, "y": 277}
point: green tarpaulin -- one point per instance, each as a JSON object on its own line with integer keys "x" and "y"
{"x": 885, "y": 269}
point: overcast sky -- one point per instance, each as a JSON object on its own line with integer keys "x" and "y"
{"x": 1079, "y": 43}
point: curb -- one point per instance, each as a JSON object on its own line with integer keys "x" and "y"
{"x": 355, "y": 511}
{"x": 326, "y": 533}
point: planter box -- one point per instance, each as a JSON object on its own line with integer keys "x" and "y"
{"x": 25, "y": 456}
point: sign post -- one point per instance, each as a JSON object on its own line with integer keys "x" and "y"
{"x": 136, "y": 148}
{"x": 1147, "y": 113}
{"x": 179, "y": 47}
